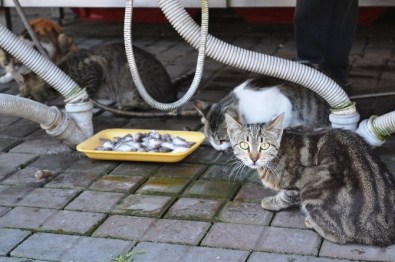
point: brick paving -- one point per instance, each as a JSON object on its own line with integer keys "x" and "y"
{"x": 196, "y": 210}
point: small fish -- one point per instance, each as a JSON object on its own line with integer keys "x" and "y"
{"x": 149, "y": 142}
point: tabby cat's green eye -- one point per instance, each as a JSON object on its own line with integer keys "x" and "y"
{"x": 244, "y": 145}
{"x": 265, "y": 146}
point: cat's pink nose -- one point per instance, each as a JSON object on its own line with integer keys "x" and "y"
{"x": 254, "y": 156}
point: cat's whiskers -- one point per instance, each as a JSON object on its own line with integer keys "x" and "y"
{"x": 237, "y": 167}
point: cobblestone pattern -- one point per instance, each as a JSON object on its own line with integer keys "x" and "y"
{"x": 195, "y": 210}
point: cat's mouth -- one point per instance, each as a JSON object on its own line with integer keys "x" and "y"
{"x": 253, "y": 166}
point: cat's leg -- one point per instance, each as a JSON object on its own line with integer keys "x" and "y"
{"x": 317, "y": 220}
{"x": 282, "y": 200}
{"x": 6, "y": 78}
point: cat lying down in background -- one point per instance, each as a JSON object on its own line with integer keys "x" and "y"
{"x": 103, "y": 70}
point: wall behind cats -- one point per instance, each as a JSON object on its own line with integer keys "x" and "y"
{"x": 344, "y": 113}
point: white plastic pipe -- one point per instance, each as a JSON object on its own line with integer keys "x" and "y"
{"x": 55, "y": 122}
{"x": 134, "y": 70}
{"x": 376, "y": 130}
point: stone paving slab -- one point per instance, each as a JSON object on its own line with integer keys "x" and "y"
{"x": 270, "y": 239}
{"x": 25, "y": 177}
{"x": 176, "y": 231}
{"x": 117, "y": 183}
{"x": 163, "y": 186}
{"x": 357, "y": 252}
{"x": 245, "y": 213}
{"x": 72, "y": 222}
{"x": 211, "y": 189}
{"x": 16, "y": 160}
{"x": 42, "y": 147}
{"x": 125, "y": 227}
{"x": 4, "y": 210}
{"x": 73, "y": 180}
{"x": 54, "y": 163}
{"x": 136, "y": 169}
{"x": 290, "y": 241}
{"x": 7, "y": 143}
{"x": 93, "y": 201}
{"x": 143, "y": 205}
{"x": 26, "y": 217}
{"x": 11, "y": 196}
{"x": 273, "y": 257}
{"x": 194, "y": 209}
{"x": 9, "y": 238}
{"x": 48, "y": 198}
{"x": 179, "y": 253}
{"x": 253, "y": 193}
{"x": 180, "y": 170}
{"x": 233, "y": 236}
{"x": 19, "y": 129}
{"x": 91, "y": 166}
{"x": 292, "y": 218}
{"x": 70, "y": 248}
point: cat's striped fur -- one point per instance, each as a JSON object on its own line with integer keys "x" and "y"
{"x": 259, "y": 100}
{"x": 344, "y": 189}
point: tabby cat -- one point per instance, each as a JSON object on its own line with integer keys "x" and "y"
{"x": 54, "y": 41}
{"x": 345, "y": 191}
{"x": 258, "y": 100}
{"x": 104, "y": 71}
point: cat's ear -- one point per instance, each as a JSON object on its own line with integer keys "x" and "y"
{"x": 233, "y": 126}
{"x": 66, "y": 44}
{"x": 276, "y": 125}
{"x": 202, "y": 107}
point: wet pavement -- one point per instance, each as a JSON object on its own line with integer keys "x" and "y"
{"x": 194, "y": 210}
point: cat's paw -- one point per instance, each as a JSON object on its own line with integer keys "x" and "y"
{"x": 6, "y": 79}
{"x": 308, "y": 223}
{"x": 268, "y": 204}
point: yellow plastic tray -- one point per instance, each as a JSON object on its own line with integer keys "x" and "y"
{"x": 89, "y": 145}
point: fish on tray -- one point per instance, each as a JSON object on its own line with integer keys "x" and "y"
{"x": 145, "y": 142}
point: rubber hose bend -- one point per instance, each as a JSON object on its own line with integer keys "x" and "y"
{"x": 199, "y": 66}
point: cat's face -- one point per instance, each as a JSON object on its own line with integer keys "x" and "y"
{"x": 256, "y": 145}
{"x": 214, "y": 125}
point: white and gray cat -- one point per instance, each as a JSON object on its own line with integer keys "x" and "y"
{"x": 343, "y": 188}
{"x": 259, "y": 100}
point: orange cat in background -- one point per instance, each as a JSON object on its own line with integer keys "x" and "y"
{"x": 55, "y": 42}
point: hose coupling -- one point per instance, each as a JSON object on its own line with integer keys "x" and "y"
{"x": 346, "y": 118}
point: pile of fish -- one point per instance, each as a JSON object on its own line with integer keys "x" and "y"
{"x": 145, "y": 142}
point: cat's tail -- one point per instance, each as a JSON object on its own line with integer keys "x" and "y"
{"x": 184, "y": 81}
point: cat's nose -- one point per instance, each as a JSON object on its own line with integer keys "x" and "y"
{"x": 254, "y": 156}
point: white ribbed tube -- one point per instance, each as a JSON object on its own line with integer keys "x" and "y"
{"x": 29, "y": 109}
{"x": 133, "y": 67}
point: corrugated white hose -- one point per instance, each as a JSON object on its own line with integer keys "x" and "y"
{"x": 344, "y": 113}
{"x": 59, "y": 124}
{"x": 376, "y": 130}
{"x": 41, "y": 66}
{"x": 201, "y": 45}
{"x": 29, "y": 109}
